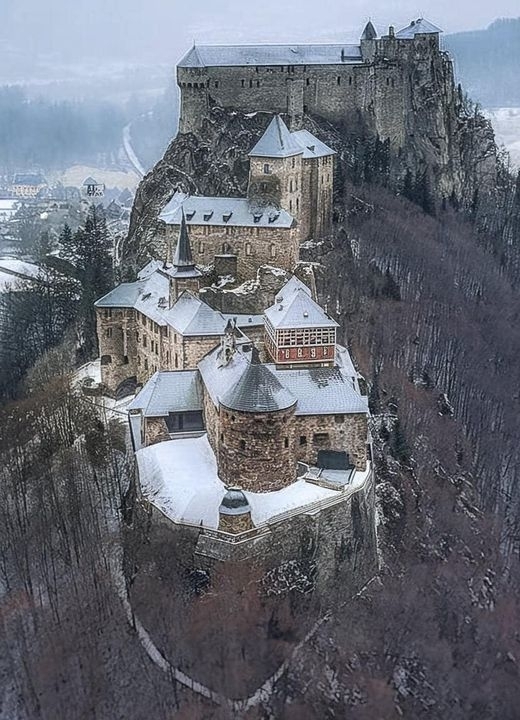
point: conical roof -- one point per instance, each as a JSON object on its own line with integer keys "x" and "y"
{"x": 258, "y": 391}
{"x": 277, "y": 142}
{"x": 369, "y": 33}
{"x": 183, "y": 263}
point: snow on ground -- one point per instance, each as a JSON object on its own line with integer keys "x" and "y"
{"x": 75, "y": 176}
{"x": 13, "y": 272}
{"x": 506, "y": 123}
{"x": 181, "y": 478}
{"x": 91, "y": 371}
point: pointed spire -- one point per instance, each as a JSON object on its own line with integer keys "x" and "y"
{"x": 369, "y": 33}
{"x": 277, "y": 141}
{"x": 183, "y": 256}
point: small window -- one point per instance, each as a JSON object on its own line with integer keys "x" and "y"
{"x": 321, "y": 438}
{"x": 242, "y": 444}
{"x": 339, "y": 419}
{"x": 308, "y": 82}
{"x": 286, "y": 442}
{"x": 338, "y": 79}
{"x": 125, "y": 360}
{"x": 258, "y": 83}
{"x": 250, "y": 83}
{"x": 243, "y": 83}
{"x": 106, "y": 360}
{"x": 145, "y": 341}
{"x": 267, "y": 169}
{"x": 146, "y": 363}
{"x": 248, "y": 248}
{"x": 303, "y": 440}
{"x": 221, "y": 437}
{"x": 108, "y": 333}
{"x": 273, "y": 251}
{"x": 216, "y": 83}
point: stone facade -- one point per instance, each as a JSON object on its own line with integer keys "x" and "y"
{"x": 252, "y": 246}
{"x": 257, "y": 449}
{"x": 116, "y": 331}
{"x": 347, "y": 433}
{"x": 376, "y": 84}
{"x": 235, "y": 524}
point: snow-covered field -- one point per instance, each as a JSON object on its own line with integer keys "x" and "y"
{"x": 76, "y": 174}
{"x": 13, "y": 272}
{"x": 506, "y": 123}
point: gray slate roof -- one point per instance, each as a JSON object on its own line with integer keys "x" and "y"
{"x": 191, "y": 316}
{"x": 298, "y": 310}
{"x": 322, "y": 391}
{"x": 278, "y": 142}
{"x": 291, "y": 287}
{"x": 369, "y": 33}
{"x": 266, "y": 55}
{"x": 234, "y": 212}
{"x": 234, "y": 502}
{"x": 218, "y": 376}
{"x": 312, "y": 147}
{"x": 29, "y": 179}
{"x": 417, "y": 27}
{"x": 258, "y": 391}
{"x": 166, "y": 392}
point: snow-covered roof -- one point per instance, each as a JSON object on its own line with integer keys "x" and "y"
{"x": 278, "y": 142}
{"x": 174, "y": 391}
{"x": 245, "y": 321}
{"x": 369, "y": 33}
{"x": 291, "y": 287}
{"x": 218, "y": 375}
{"x": 33, "y": 179}
{"x": 265, "y": 55}
{"x": 180, "y": 477}
{"x": 298, "y": 310}
{"x": 417, "y": 27}
{"x": 221, "y": 211}
{"x": 258, "y": 391}
{"x": 312, "y": 147}
{"x": 189, "y": 316}
{"x": 89, "y": 181}
{"x": 322, "y": 391}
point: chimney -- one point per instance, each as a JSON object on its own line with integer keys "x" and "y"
{"x": 391, "y": 32}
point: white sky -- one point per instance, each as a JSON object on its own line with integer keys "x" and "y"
{"x": 160, "y": 30}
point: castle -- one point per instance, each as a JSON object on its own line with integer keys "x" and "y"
{"x": 334, "y": 82}
{"x": 254, "y": 492}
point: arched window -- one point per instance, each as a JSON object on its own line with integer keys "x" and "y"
{"x": 226, "y": 247}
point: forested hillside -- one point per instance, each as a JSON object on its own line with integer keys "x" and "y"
{"x": 487, "y": 61}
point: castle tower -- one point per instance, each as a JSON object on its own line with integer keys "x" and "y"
{"x": 275, "y": 175}
{"x": 183, "y": 273}
{"x": 234, "y": 512}
{"x": 298, "y": 332}
{"x": 257, "y": 446}
{"x": 368, "y": 42}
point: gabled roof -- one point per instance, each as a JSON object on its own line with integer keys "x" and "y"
{"x": 298, "y": 311}
{"x": 277, "y": 142}
{"x": 258, "y": 391}
{"x": 169, "y": 391}
{"x": 417, "y": 27}
{"x": 191, "y": 316}
{"x": 312, "y": 147}
{"x": 89, "y": 181}
{"x": 264, "y": 55}
{"x": 369, "y": 33}
{"x": 224, "y": 212}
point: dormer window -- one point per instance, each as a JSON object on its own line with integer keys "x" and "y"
{"x": 257, "y": 217}
{"x": 208, "y": 216}
{"x": 226, "y": 217}
{"x": 190, "y": 214}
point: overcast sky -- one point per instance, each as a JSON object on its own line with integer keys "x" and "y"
{"x": 158, "y": 30}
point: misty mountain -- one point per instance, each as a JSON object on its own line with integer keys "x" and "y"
{"x": 487, "y": 62}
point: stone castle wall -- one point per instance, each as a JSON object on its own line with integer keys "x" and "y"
{"x": 253, "y": 246}
{"x": 379, "y": 87}
{"x": 231, "y": 622}
{"x": 256, "y": 450}
{"x": 117, "y": 345}
{"x": 348, "y": 433}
